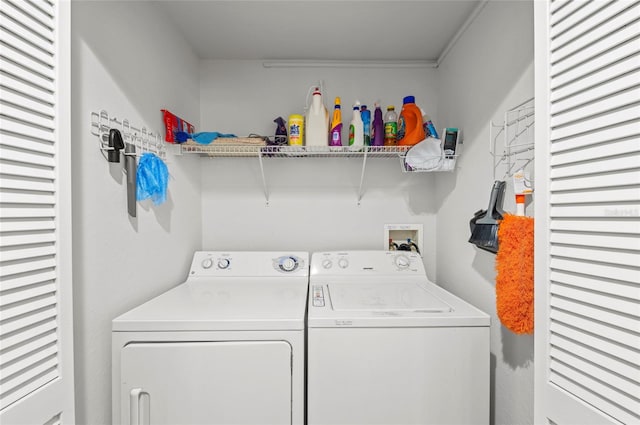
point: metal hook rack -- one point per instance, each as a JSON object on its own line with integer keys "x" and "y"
{"x": 141, "y": 138}
{"x": 512, "y": 143}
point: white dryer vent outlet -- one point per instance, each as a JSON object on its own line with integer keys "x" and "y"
{"x": 398, "y": 235}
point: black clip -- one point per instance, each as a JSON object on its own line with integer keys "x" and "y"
{"x": 115, "y": 144}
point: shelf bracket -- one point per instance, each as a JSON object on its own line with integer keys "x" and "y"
{"x": 364, "y": 166}
{"x": 264, "y": 180}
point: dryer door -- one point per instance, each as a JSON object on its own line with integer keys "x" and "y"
{"x": 234, "y": 382}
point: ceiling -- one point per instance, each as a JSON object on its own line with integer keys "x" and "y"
{"x": 347, "y": 30}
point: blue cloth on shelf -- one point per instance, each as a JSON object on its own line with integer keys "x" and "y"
{"x": 204, "y": 138}
{"x": 152, "y": 178}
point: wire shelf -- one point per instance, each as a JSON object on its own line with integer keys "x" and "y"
{"x": 222, "y": 150}
{"x": 264, "y": 153}
{"x": 511, "y": 143}
{"x": 442, "y": 163}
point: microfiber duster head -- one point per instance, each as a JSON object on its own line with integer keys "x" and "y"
{"x": 514, "y": 279}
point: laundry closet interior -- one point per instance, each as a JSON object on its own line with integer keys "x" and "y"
{"x": 235, "y": 66}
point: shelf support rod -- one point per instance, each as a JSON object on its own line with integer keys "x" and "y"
{"x": 364, "y": 165}
{"x": 264, "y": 180}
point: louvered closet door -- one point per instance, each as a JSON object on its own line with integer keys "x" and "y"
{"x": 36, "y": 370}
{"x": 588, "y": 212}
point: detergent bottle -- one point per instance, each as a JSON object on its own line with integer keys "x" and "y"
{"x": 377, "y": 129}
{"x": 335, "y": 135}
{"x": 356, "y": 130}
{"x": 390, "y": 126}
{"x": 317, "y": 121}
{"x": 365, "y": 114}
{"x": 410, "y": 130}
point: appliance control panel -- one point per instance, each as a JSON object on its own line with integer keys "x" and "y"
{"x": 317, "y": 296}
{"x": 366, "y": 263}
{"x": 249, "y": 264}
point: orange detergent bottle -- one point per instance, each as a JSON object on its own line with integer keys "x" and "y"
{"x": 410, "y": 129}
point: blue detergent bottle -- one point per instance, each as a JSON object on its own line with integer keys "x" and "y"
{"x": 365, "y": 114}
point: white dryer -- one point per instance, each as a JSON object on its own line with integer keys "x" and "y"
{"x": 387, "y": 346}
{"x": 224, "y": 347}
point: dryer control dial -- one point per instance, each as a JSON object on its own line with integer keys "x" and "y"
{"x": 207, "y": 263}
{"x": 224, "y": 263}
{"x": 287, "y": 263}
{"x": 327, "y": 263}
{"x": 402, "y": 261}
{"x": 343, "y": 263}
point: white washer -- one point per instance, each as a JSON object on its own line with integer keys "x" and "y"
{"x": 224, "y": 347}
{"x": 387, "y": 346}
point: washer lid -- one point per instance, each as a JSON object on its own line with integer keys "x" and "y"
{"x": 210, "y": 305}
{"x": 372, "y": 302}
{"x": 401, "y": 296}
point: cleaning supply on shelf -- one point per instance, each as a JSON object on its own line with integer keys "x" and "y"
{"x": 410, "y": 130}
{"x": 365, "y": 114}
{"x": 356, "y": 131}
{"x": 424, "y": 156}
{"x": 377, "y": 128}
{"x": 295, "y": 127}
{"x": 514, "y": 278}
{"x": 429, "y": 128}
{"x": 452, "y": 136}
{"x": 152, "y": 179}
{"x": 335, "y": 135}
{"x": 484, "y": 224}
{"x": 316, "y": 121}
{"x": 173, "y": 124}
{"x": 281, "y": 132}
{"x": 204, "y": 138}
{"x": 390, "y": 126}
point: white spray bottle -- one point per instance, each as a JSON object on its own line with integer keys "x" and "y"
{"x": 356, "y": 129}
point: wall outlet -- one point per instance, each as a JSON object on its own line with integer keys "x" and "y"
{"x": 399, "y": 233}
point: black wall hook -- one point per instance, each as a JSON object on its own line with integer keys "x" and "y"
{"x": 116, "y": 144}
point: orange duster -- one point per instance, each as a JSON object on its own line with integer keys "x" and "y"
{"x": 514, "y": 279}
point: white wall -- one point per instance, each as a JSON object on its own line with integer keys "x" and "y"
{"x": 127, "y": 60}
{"x": 489, "y": 71}
{"x": 313, "y": 202}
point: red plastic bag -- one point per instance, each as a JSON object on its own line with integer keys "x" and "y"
{"x": 173, "y": 123}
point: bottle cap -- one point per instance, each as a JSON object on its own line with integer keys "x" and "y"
{"x": 391, "y": 108}
{"x": 363, "y": 108}
{"x": 409, "y": 99}
{"x": 520, "y": 198}
{"x": 317, "y": 91}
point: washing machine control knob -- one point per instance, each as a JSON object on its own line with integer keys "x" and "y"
{"x": 402, "y": 261}
{"x": 288, "y": 264}
{"x": 207, "y": 263}
{"x": 343, "y": 263}
{"x": 224, "y": 263}
{"x": 327, "y": 263}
